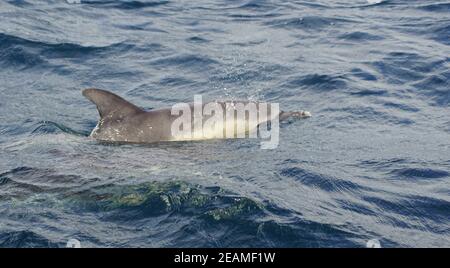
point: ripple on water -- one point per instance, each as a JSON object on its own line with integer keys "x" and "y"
{"x": 307, "y": 23}
{"x": 24, "y": 239}
{"x": 360, "y": 37}
{"x": 228, "y": 219}
{"x": 23, "y": 182}
{"x": 364, "y": 75}
{"x": 420, "y": 173}
{"x": 373, "y": 114}
{"x": 126, "y": 5}
{"x": 436, "y": 87}
{"x": 436, "y": 7}
{"x": 318, "y": 82}
{"x": 187, "y": 61}
{"x": 312, "y": 179}
{"x": 23, "y": 53}
{"x": 414, "y": 209}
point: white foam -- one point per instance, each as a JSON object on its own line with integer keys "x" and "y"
{"x": 373, "y": 2}
{"x": 373, "y": 243}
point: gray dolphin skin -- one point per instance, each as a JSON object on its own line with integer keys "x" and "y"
{"x": 121, "y": 121}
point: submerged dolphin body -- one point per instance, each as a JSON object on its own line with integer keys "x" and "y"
{"x": 121, "y": 121}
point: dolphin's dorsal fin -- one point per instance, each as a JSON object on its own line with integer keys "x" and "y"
{"x": 109, "y": 104}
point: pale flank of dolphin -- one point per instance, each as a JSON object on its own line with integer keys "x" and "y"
{"x": 121, "y": 121}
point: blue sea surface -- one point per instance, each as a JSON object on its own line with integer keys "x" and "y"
{"x": 373, "y": 162}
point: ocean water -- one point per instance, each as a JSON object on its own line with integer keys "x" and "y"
{"x": 372, "y": 163}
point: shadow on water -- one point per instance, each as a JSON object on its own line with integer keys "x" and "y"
{"x": 228, "y": 219}
{"x": 185, "y": 211}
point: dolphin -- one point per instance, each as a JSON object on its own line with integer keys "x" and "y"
{"x": 122, "y": 121}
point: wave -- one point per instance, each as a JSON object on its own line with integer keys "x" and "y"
{"x": 47, "y": 127}
{"x": 420, "y": 173}
{"x": 436, "y": 7}
{"x": 318, "y": 82}
{"x": 231, "y": 220}
{"x": 401, "y": 106}
{"x": 367, "y": 76}
{"x": 24, "y": 182}
{"x": 322, "y": 182}
{"x": 307, "y": 23}
{"x": 440, "y": 33}
{"x": 126, "y": 5}
{"x": 25, "y": 239}
{"x": 360, "y": 36}
{"x": 436, "y": 88}
{"x": 8, "y": 41}
{"x": 361, "y": 113}
{"x": 410, "y": 207}
{"x": 18, "y": 50}
{"x": 193, "y": 62}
